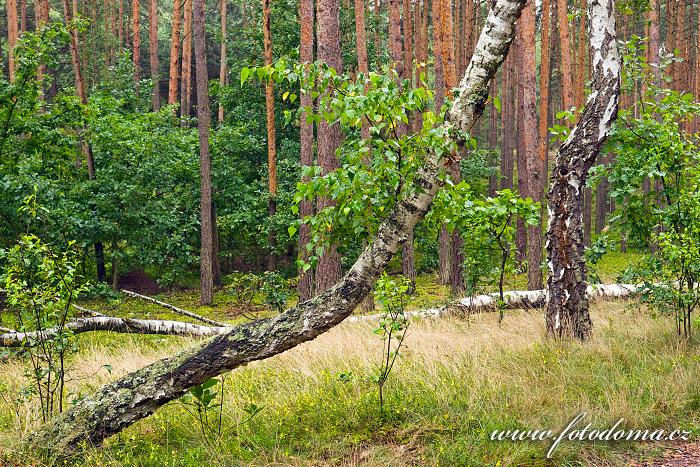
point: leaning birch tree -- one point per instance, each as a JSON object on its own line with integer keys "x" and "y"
{"x": 137, "y": 395}
{"x": 567, "y": 310}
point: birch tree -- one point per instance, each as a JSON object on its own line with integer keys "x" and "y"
{"x": 137, "y": 395}
{"x": 567, "y": 311}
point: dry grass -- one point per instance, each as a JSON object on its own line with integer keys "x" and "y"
{"x": 457, "y": 380}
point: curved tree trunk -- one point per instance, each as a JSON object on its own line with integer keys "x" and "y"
{"x": 567, "y": 311}
{"x": 137, "y": 395}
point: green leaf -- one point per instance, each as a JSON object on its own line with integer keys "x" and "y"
{"x": 245, "y": 73}
{"x": 291, "y": 230}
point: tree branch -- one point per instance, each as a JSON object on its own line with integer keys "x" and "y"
{"x": 174, "y": 308}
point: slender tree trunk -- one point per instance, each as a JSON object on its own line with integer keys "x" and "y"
{"x": 215, "y": 263}
{"x": 507, "y": 121}
{"x": 328, "y": 270}
{"x": 186, "y": 82}
{"x": 306, "y": 131}
{"x": 408, "y": 262}
{"x": 203, "y": 125}
{"x": 153, "y": 53}
{"x": 520, "y": 131}
{"x": 85, "y": 147}
{"x": 567, "y": 76}
{"x": 136, "y": 38}
{"x": 174, "y": 52}
{"x": 362, "y": 67}
{"x": 12, "y": 36}
{"x": 23, "y": 15}
{"x": 222, "y": 66}
{"x": 444, "y": 243}
{"x": 534, "y": 170}
{"x": 42, "y": 19}
{"x": 602, "y": 201}
{"x": 120, "y": 23}
{"x": 271, "y": 144}
{"x": 538, "y": 181}
{"x": 137, "y": 395}
{"x": 567, "y": 311}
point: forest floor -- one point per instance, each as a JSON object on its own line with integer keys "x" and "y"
{"x": 454, "y": 383}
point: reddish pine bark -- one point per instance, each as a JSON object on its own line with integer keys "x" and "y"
{"x": 271, "y": 144}
{"x": 153, "y": 53}
{"x": 567, "y": 77}
{"x": 12, "y": 36}
{"x": 306, "y": 131}
{"x": 136, "y": 38}
{"x": 328, "y": 270}
{"x": 174, "y": 52}
{"x": 186, "y": 82}
{"x": 203, "y": 125}
{"x": 222, "y": 62}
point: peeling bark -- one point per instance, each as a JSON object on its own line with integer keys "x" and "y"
{"x": 567, "y": 311}
{"x": 137, "y": 395}
{"x": 110, "y": 323}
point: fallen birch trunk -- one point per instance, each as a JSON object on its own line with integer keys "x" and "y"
{"x": 512, "y": 300}
{"x": 137, "y": 395}
{"x": 177, "y": 310}
{"x": 109, "y": 323}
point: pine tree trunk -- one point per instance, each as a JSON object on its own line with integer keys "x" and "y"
{"x": 271, "y": 143}
{"x": 120, "y": 23}
{"x": 507, "y": 121}
{"x": 328, "y": 271}
{"x": 12, "y": 36}
{"x": 543, "y": 137}
{"x": 186, "y": 82}
{"x": 367, "y": 304}
{"x": 534, "y": 174}
{"x": 136, "y": 37}
{"x": 174, "y": 75}
{"x": 222, "y": 66}
{"x": 306, "y": 131}
{"x": 565, "y": 44}
{"x": 139, "y": 394}
{"x": 567, "y": 311}
{"x": 203, "y": 125}
{"x": 153, "y": 53}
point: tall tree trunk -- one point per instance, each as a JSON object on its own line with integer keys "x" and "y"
{"x": 444, "y": 243}
{"x": 12, "y": 36}
{"x": 580, "y": 86}
{"x": 306, "y": 131}
{"x": 222, "y": 66}
{"x": 408, "y": 262}
{"x": 271, "y": 144}
{"x": 534, "y": 174}
{"x": 42, "y": 19}
{"x": 507, "y": 121}
{"x": 567, "y": 311}
{"x": 174, "y": 75}
{"x": 362, "y": 67}
{"x": 120, "y": 23}
{"x": 137, "y": 395}
{"x": 186, "y": 82}
{"x": 538, "y": 181}
{"x": 567, "y": 78}
{"x": 85, "y": 147}
{"x": 136, "y": 38}
{"x": 448, "y": 61}
{"x": 328, "y": 270}
{"x": 153, "y": 53}
{"x": 23, "y": 15}
{"x": 521, "y": 157}
{"x": 203, "y": 125}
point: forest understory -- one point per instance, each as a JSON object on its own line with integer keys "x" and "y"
{"x": 456, "y": 381}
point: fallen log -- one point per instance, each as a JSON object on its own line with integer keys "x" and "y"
{"x": 137, "y": 395}
{"x": 110, "y": 323}
{"x": 177, "y": 310}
